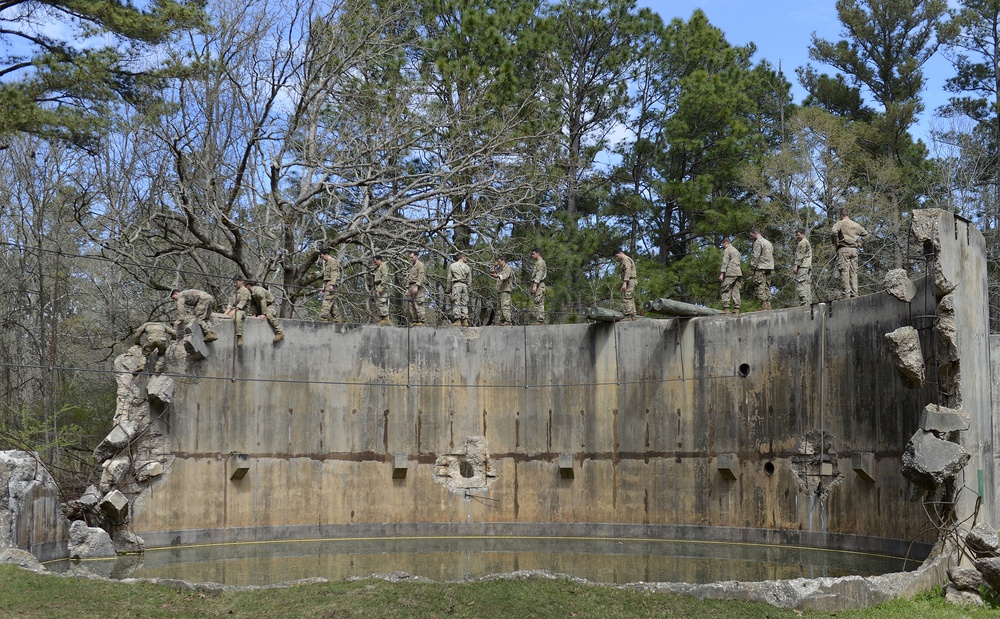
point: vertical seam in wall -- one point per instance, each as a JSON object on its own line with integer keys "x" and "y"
{"x": 823, "y": 383}
{"x": 618, "y": 378}
{"x": 524, "y": 330}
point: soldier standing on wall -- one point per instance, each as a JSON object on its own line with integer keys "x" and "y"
{"x": 459, "y": 282}
{"x": 848, "y": 235}
{"x": 761, "y": 265}
{"x": 803, "y": 268}
{"x": 416, "y": 280}
{"x": 262, "y": 302}
{"x": 331, "y": 279}
{"x": 629, "y": 281}
{"x": 505, "y": 280}
{"x": 731, "y": 276}
{"x": 538, "y": 273}
{"x": 193, "y": 304}
{"x": 381, "y": 280}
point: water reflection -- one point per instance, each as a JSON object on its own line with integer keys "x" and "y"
{"x": 456, "y": 558}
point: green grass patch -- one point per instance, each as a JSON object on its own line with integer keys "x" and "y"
{"x": 28, "y": 595}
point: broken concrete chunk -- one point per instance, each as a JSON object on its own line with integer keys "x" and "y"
{"x": 983, "y": 540}
{"x": 965, "y": 577}
{"x": 90, "y": 497}
{"x": 127, "y": 542}
{"x": 115, "y": 441}
{"x": 115, "y": 507}
{"x": 147, "y": 470}
{"x": 929, "y": 461}
{"x": 89, "y": 542}
{"x": 962, "y": 597}
{"x": 904, "y": 343}
{"x": 160, "y": 389}
{"x": 115, "y": 471}
{"x": 898, "y": 284}
{"x": 942, "y": 420}
{"x": 990, "y": 569}
{"x": 20, "y": 558}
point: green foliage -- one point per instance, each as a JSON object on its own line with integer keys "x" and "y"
{"x": 64, "y": 88}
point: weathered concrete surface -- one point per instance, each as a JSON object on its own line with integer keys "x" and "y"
{"x": 644, "y": 407}
{"x": 898, "y": 284}
{"x": 30, "y": 516}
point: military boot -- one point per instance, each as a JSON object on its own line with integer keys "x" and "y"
{"x": 766, "y": 306}
{"x": 239, "y": 341}
{"x": 280, "y": 335}
{"x": 465, "y": 322}
{"x": 210, "y": 337}
{"x": 457, "y": 322}
{"x": 385, "y": 322}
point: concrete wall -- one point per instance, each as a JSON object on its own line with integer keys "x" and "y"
{"x": 781, "y": 425}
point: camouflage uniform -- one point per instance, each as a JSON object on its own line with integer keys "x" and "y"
{"x": 538, "y": 274}
{"x": 505, "y": 282}
{"x": 803, "y": 264}
{"x": 459, "y": 281}
{"x": 158, "y": 335}
{"x": 382, "y": 292}
{"x": 417, "y": 278}
{"x": 732, "y": 278}
{"x": 193, "y": 304}
{"x": 240, "y": 304}
{"x": 262, "y": 301}
{"x": 848, "y": 235}
{"x": 629, "y": 281}
{"x": 331, "y": 279}
{"x": 762, "y": 263}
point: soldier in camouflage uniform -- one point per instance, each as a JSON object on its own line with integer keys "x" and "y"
{"x": 331, "y": 279}
{"x": 505, "y": 281}
{"x": 416, "y": 281}
{"x": 193, "y": 304}
{"x": 538, "y": 274}
{"x": 239, "y": 305}
{"x": 459, "y": 282}
{"x": 263, "y": 306}
{"x": 848, "y": 235}
{"x": 629, "y": 281}
{"x": 731, "y": 276}
{"x": 803, "y": 268}
{"x": 382, "y": 289}
{"x": 158, "y": 335}
{"x": 761, "y": 265}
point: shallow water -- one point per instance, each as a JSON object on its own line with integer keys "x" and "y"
{"x": 614, "y": 561}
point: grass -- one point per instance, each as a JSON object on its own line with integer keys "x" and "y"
{"x": 29, "y": 595}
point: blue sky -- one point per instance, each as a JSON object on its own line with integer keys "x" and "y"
{"x": 782, "y": 31}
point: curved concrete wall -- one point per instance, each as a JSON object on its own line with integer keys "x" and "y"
{"x": 790, "y": 423}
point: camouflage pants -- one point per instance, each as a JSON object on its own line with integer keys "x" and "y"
{"x": 272, "y": 320}
{"x": 417, "y": 305}
{"x": 538, "y": 309}
{"x": 628, "y": 298}
{"x": 157, "y": 344}
{"x": 505, "y": 308}
{"x": 201, "y": 312}
{"x": 382, "y": 301}
{"x": 460, "y": 301}
{"x": 762, "y": 284}
{"x": 803, "y": 285}
{"x": 330, "y": 309}
{"x": 731, "y": 291}
{"x": 239, "y": 317}
{"x": 848, "y": 265}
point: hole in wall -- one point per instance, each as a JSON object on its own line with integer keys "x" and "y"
{"x": 466, "y": 470}
{"x": 744, "y": 369}
{"x": 769, "y": 468}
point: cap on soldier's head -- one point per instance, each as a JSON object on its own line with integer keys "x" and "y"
{"x": 324, "y": 251}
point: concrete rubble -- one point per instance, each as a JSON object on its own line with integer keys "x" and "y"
{"x": 468, "y": 468}
{"x": 89, "y": 542}
{"x": 983, "y": 540}
{"x": 897, "y": 283}
{"x": 929, "y": 462}
{"x": 904, "y": 344}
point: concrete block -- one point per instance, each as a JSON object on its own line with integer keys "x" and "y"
{"x": 826, "y": 469}
{"x": 239, "y": 465}
{"x": 90, "y": 497}
{"x": 115, "y": 507}
{"x": 89, "y": 542}
{"x": 898, "y": 284}
{"x": 943, "y": 420}
{"x": 904, "y": 343}
{"x": 728, "y": 465}
{"x": 863, "y": 463}
{"x": 160, "y": 389}
{"x": 565, "y": 462}
{"x": 147, "y": 470}
{"x": 400, "y": 462}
